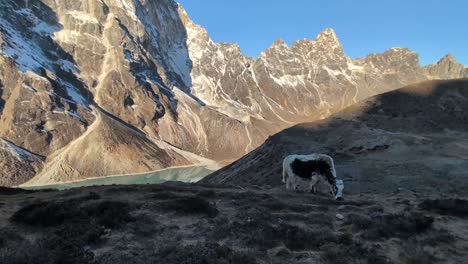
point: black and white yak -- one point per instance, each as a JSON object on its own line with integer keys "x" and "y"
{"x": 304, "y": 172}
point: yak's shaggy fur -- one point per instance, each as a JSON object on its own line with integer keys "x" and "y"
{"x": 308, "y": 170}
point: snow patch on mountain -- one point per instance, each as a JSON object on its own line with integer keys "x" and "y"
{"x": 26, "y": 53}
{"x": 19, "y": 153}
{"x": 181, "y": 64}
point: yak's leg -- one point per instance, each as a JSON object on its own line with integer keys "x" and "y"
{"x": 313, "y": 189}
{"x": 315, "y": 179}
{"x": 333, "y": 190}
{"x": 289, "y": 184}
{"x": 285, "y": 173}
{"x": 293, "y": 183}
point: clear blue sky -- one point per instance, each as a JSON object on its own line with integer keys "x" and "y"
{"x": 432, "y": 28}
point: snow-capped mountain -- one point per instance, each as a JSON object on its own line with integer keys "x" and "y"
{"x": 102, "y": 87}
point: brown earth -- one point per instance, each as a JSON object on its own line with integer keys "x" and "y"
{"x": 178, "y": 223}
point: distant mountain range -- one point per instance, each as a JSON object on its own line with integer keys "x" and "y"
{"x": 103, "y": 87}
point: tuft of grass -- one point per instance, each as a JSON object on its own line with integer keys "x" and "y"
{"x": 45, "y": 214}
{"x": 7, "y": 234}
{"x": 437, "y": 237}
{"x": 13, "y": 191}
{"x": 403, "y": 225}
{"x": 297, "y": 239}
{"x": 64, "y": 245}
{"x": 193, "y": 205}
{"x": 206, "y": 253}
{"x": 165, "y": 195}
{"x": 110, "y": 214}
{"x": 454, "y": 207}
{"x": 259, "y": 229}
{"x": 207, "y": 193}
{"x": 359, "y": 221}
{"x": 353, "y": 253}
{"x": 419, "y": 256}
{"x": 69, "y": 227}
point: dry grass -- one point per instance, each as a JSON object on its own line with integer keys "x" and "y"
{"x": 187, "y": 224}
{"x": 455, "y": 207}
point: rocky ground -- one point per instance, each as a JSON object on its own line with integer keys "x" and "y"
{"x": 181, "y": 223}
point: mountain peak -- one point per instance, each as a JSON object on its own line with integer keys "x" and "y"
{"x": 279, "y": 43}
{"x": 448, "y": 58}
{"x": 399, "y": 50}
{"x": 327, "y": 35}
{"x": 328, "y": 40}
{"x": 183, "y": 15}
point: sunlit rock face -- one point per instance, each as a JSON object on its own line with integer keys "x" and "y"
{"x": 446, "y": 68}
{"x": 157, "y": 77}
{"x": 17, "y": 164}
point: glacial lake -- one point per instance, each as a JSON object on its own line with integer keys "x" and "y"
{"x": 182, "y": 174}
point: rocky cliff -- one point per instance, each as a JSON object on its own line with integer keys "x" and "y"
{"x": 140, "y": 84}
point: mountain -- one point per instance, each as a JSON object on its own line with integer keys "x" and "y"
{"x": 140, "y": 85}
{"x": 412, "y": 139}
{"x": 18, "y": 165}
{"x": 107, "y": 147}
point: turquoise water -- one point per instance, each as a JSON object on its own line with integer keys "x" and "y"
{"x": 182, "y": 174}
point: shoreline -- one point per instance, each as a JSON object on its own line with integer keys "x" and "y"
{"x": 206, "y": 166}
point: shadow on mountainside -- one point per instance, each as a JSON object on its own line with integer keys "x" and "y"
{"x": 181, "y": 79}
{"x": 2, "y": 102}
{"x": 50, "y": 49}
{"x": 409, "y": 140}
